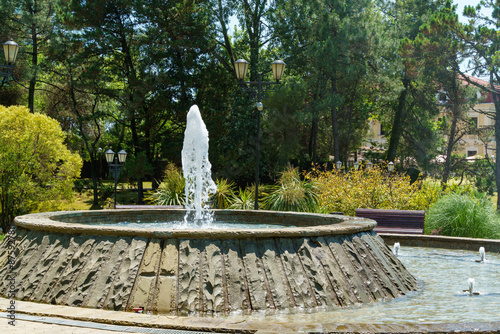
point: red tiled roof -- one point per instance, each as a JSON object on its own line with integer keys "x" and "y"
{"x": 489, "y": 97}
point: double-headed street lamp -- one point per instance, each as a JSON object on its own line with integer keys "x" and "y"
{"x": 10, "y": 50}
{"x": 115, "y": 165}
{"x": 241, "y": 68}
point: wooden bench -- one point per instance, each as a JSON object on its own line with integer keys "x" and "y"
{"x": 395, "y": 221}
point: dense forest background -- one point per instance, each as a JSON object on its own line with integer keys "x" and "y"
{"x": 123, "y": 74}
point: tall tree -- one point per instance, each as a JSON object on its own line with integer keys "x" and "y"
{"x": 31, "y": 22}
{"x": 75, "y": 99}
{"x": 416, "y": 94}
{"x": 338, "y": 44}
{"x": 481, "y": 36}
{"x": 442, "y": 53}
{"x": 151, "y": 49}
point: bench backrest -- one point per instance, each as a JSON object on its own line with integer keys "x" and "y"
{"x": 391, "y": 218}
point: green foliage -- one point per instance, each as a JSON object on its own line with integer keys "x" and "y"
{"x": 244, "y": 199}
{"x": 138, "y": 167}
{"x": 291, "y": 193}
{"x": 374, "y": 188}
{"x": 484, "y": 177}
{"x": 171, "y": 189}
{"x": 106, "y": 191}
{"x": 222, "y": 197}
{"x": 431, "y": 190}
{"x": 377, "y": 189}
{"x": 463, "y": 216}
{"x": 35, "y": 165}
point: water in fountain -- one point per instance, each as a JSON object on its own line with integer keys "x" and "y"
{"x": 397, "y": 247}
{"x": 197, "y": 170}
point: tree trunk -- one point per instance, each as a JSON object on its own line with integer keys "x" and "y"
{"x": 397, "y": 125}
{"x": 34, "y": 64}
{"x": 449, "y": 148}
{"x": 496, "y": 100}
{"x": 95, "y": 179}
{"x": 313, "y": 141}
{"x": 335, "y": 126}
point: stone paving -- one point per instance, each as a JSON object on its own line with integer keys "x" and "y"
{"x": 201, "y": 324}
{"x": 24, "y": 327}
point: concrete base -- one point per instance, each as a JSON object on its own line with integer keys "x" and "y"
{"x": 324, "y": 261}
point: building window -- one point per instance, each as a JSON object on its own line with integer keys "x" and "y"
{"x": 382, "y": 131}
{"x": 471, "y": 153}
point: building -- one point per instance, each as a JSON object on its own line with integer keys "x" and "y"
{"x": 472, "y": 145}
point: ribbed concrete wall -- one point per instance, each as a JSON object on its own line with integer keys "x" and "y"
{"x": 180, "y": 275}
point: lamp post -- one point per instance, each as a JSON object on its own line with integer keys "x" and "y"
{"x": 338, "y": 165}
{"x": 241, "y": 68}
{"x": 390, "y": 167}
{"x": 10, "y": 50}
{"x": 115, "y": 165}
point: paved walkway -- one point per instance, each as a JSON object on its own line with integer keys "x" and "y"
{"x": 29, "y": 327}
{"x": 34, "y": 318}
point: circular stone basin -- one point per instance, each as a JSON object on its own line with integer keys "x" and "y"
{"x": 322, "y": 261}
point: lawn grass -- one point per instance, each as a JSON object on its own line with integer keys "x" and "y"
{"x": 126, "y": 194}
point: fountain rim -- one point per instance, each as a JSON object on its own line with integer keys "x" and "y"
{"x": 329, "y": 224}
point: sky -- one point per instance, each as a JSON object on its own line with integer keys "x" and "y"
{"x": 461, "y": 4}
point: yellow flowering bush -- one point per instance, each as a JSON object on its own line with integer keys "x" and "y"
{"x": 375, "y": 188}
{"x": 36, "y": 168}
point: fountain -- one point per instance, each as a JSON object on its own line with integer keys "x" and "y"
{"x": 332, "y": 263}
{"x": 396, "y": 248}
{"x": 471, "y": 291}
{"x": 482, "y": 254}
{"x": 309, "y": 261}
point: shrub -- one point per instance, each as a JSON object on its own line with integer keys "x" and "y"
{"x": 171, "y": 190}
{"x": 35, "y": 164}
{"x": 244, "y": 199}
{"x": 82, "y": 184}
{"x": 106, "y": 191}
{"x": 430, "y": 190}
{"x": 222, "y": 197}
{"x": 463, "y": 216}
{"x": 291, "y": 193}
{"x": 374, "y": 188}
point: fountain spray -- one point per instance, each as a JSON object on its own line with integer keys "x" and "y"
{"x": 197, "y": 170}
{"x": 397, "y": 247}
{"x": 482, "y": 254}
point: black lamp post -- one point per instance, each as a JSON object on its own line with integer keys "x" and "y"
{"x": 241, "y": 68}
{"x": 10, "y": 50}
{"x": 115, "y": 165}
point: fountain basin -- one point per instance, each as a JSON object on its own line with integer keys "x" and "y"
{"x": 323, "y": 261}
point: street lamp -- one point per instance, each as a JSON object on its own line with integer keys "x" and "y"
{"x": 241, "y": 69}
{"x": 369, "y": 165}
{"x": 10, "y": 50}
{"x": 115, "y": 165}
{"x": 338, "y": 165}
{"x": 390, "y": 167}
{"x": 356, "y": 165}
